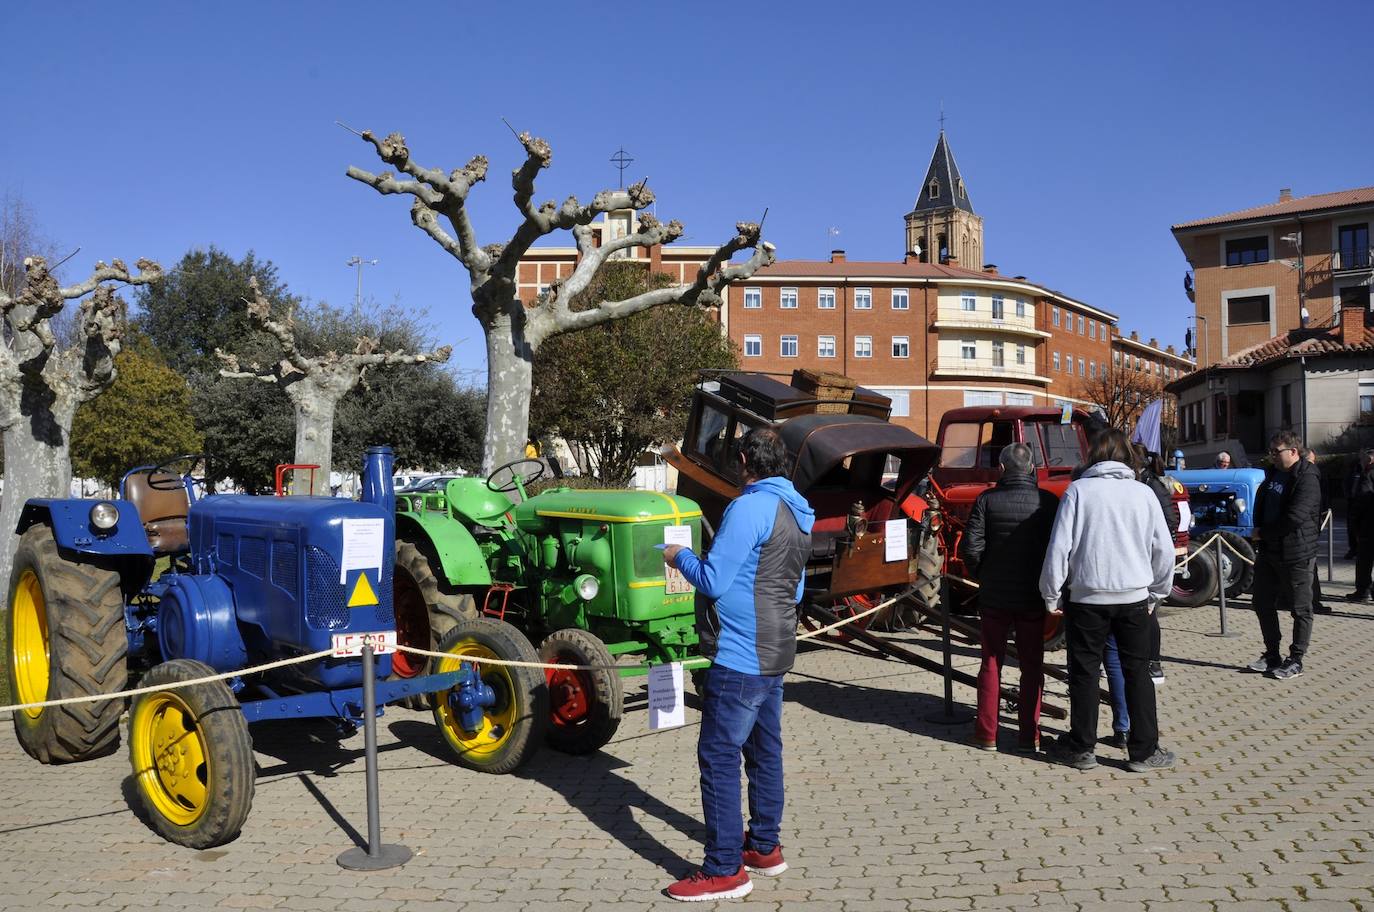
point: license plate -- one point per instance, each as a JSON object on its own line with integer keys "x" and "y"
{"x": 351, "y": 644}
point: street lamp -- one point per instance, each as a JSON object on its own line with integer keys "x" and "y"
{"x": 1203, "y": 334}
{"x": 360, "y": 263}
{"x": 1295, "y": 238}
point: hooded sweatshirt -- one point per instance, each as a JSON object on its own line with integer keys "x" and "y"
{"x": 1110, "y": 543}
{"x": 750, "y": 583}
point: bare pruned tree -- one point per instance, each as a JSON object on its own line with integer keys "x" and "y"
{"x": 1120, "y": 392}
{"x": 514, "y": 331}
{"x": 314, "y": 384}
{"x": 41, "y": 384}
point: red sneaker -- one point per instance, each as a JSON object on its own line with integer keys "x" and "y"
{"x": 701, "y": 887}
{"x": 769, "y": 865}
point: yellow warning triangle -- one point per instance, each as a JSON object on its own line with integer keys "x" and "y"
{"x": 362, "y": 593}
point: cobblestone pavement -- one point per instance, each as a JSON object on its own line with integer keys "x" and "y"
{"x": 1270, "y": 807}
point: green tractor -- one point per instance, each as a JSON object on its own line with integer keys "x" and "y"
{"x": 575, "y": 570}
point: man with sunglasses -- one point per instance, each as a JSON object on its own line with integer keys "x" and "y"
{"x": 1287, "y": 518}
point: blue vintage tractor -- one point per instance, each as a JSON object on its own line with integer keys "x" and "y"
{"x": 1223, "y": 504}
{"x": 171, "y": 583}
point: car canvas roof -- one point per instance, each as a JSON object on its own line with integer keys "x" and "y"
{"x": 818, "y": 443}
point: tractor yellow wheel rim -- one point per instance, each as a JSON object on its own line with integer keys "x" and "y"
{"x": 30, "y": 662}
{"x": 497, "y": 721}
{"x": 171, "y": 758}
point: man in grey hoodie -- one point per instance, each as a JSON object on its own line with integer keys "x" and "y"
{"x": 1112, "y": 549}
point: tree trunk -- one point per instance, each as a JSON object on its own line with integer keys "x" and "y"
{"x": 314, "y": 433}
{"x": 510, "y": 380}
{"x": 38, "y": 463}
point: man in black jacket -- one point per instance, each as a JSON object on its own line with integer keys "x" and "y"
{"x": 1286, "y": 519}
{"x": 1003, "y": 548}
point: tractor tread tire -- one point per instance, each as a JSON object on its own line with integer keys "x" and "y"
{"x": 446, "y": 607}
{"x": 1244, "y": 578}
{"x": 88, "y": 652}
{"x": 593, "y": 733}
{"x": 1202, "y": 592}
{"x": 230, "y": 750}
{"x": 930, "y": 566}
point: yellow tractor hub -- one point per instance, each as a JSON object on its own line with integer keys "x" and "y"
{"x": 497, "y": 721}
{"x": 31, "y": 664}
{"x": 171, "y": 758}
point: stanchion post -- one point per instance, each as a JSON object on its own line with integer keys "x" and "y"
{"x": 1330, "y": 546}
{"x": 1221, "y": 592}
{"x": 377, "y": 856}
{"x": 947, "y": 714}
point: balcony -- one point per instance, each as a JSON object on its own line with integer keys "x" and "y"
{"x": 1352, "y": 259}
{"x": 965, "y": 319}
{"x": 1000, "y": 369}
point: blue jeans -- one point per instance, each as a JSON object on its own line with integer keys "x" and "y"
{"x": 1116, "y": 686}
{"x": 742, "y": 714}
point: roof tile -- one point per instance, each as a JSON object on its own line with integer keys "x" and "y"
{"x": 1337, "y": 200}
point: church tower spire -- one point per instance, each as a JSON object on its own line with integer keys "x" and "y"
{"x": 943, "y": 224}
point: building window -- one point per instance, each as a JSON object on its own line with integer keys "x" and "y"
{"x": 1247, "y": 251}
{"x": 1367, "y": 402}
{"x": 1080, "y": 324}
{"x": 863, "y": 346}
{"x": 980, "y": 397}
{"x": 1020, "y": 354}
{"x": 1020, "y": 399}
{"x": 901, "y": 401}
{"x": 1056, "y": 360}
{"x": 1054, "y": 315}
{"x": 933, "y": 191}
{"x": 1252, "y": 309}
{"x": 753, "y": 298}
{"x": 998, "y": 356}
{"x": 825, "y": 346}
{"x": 1092, "y": 370}
{"x": 900, "y": 299}
{"x": 901, "y": 347}
{"x": 968, "y": 302}
{"x": 788, "y": 348}
{"x": 753, "y": 346}
{"x": 1020, "y": 307}
{"x": 968, "y": 349}
{"x": 789, "y": 299}
{"x": 1082, "y": 371}
{"x": 825, "y": 299}
{"x": 1353, "y": 247}
{"x": 999, "y": 308}
{"x": 863, "y": 299}
{"x": 1116, "y": 358}
{"x": 1092, "y": 329}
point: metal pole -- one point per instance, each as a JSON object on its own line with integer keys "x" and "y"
{"x": 377, "y": 856}
{"x": 947, "y": 715}
{"x": 1330, "y": 546}
{"x": 1221, "y": 589}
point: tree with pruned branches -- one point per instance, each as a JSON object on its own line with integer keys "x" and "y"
{"x": 42, "y": 383}
{"x": 314, "y": 384}
{"x": 514, "y": 330}
{"x": 1120, "y": 392}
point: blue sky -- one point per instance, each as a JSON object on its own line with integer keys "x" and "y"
{"x": 1083, "y": 131}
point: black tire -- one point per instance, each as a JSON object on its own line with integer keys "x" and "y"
{"x": 1236, "y": 573}
{"x": 195, "y": 804}
{"x": 1195, "y": 584}
{"x": 74, "y": 613}
{"x": 930, "y": 566}
{"x": 513, "y": 729}
{"x": 584, "y": 706}
{"x": 427, "y": 608}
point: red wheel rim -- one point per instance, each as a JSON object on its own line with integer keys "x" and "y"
{"x": 412, "y": 626}
{"x": 571, "y": 694}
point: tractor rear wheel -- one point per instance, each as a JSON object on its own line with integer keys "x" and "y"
{"x": 65, "y": 630}
{"x": 426, "y": 609}
{"x": 930, "y": 566}
{"x": 192, "y": 757}
{"x": 1195, "y": 584}
{"x": 1236, "y": 575}
{"x": 512, "y": 729}
{"x": 584, "y": 706}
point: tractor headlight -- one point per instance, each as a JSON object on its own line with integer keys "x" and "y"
{"x": 104, "y": 516}
{"x": 587, "y": 587}
{"x": 1240, "y": 504}
{"x": 936, "y": 520}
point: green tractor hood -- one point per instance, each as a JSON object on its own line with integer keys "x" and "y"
{"x": 610, "y": 506}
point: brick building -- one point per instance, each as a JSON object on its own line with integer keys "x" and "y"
{"x": 1254, "y": 270}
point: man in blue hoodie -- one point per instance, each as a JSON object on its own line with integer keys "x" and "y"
{"x": 748, "y": 588}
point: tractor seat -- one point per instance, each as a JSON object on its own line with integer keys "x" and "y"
{"x": 163, "y": 511}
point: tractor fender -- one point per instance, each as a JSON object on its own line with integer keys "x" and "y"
{"x": 460, "y": 560}
{"x": 70, "y": 521}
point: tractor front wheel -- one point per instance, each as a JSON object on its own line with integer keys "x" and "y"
{"x": 511, "y": 729}
{"x": 1236, "y": 574}
{"x": 1195, "y": 584}
{"x": 65, "y": 630}
{"x": 192, "y": 757}
{"x": 426, "y": 609}
{"x": 584, "y": 706}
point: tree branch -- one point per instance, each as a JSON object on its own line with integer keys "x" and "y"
{"x": 103, "y": 318}
{"x": 260, "y": 313}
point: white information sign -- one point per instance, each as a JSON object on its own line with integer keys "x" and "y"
{"x": 351, "y": 644}
{"x": 362, "y": 546}
{"x": 667, "y": 708}
{"x": 894, "y": 540}
{"x": 1185, "y": 516}
{"x": 675, "y": 582}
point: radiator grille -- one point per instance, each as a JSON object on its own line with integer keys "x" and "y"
{"x": 326, "y": 603}
{"x": 386, "y": 612}
{"x": 253, "y": 556}
{"x": 285, "y": 565}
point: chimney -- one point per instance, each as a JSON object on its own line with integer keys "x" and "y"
{"x": 837, "y": 256}
{"x": 952, "y": 260}
{"x": 1285, "y": 194}
{"x": 1154, "y": 343}
{"x": 1170, "y": 350}
{"x": 1352, "y": 331}
{"x": 911, "y": 257}
{"x": 1135, "y": 336}
{"x": 1022, "y": 278}
{"x": 990, "y": 268}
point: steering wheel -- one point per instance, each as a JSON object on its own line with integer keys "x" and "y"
{"x": 158, "y": 481}
{"x": 512, "y": 485}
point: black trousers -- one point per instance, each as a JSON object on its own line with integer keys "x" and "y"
{"x": 1364, "y": 562}
{"x": 1284, "y": 586}
{"x": 1086, "y": 628}
{"x": 1155, "y": 637}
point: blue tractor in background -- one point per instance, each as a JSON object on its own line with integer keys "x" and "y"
{"x": 170, "y": 583}
{"x": 1223, "y": 504}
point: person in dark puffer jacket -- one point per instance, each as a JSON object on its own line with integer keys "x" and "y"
{"x": 1003, "y": 548}
{"x": 1286, "y": 522}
